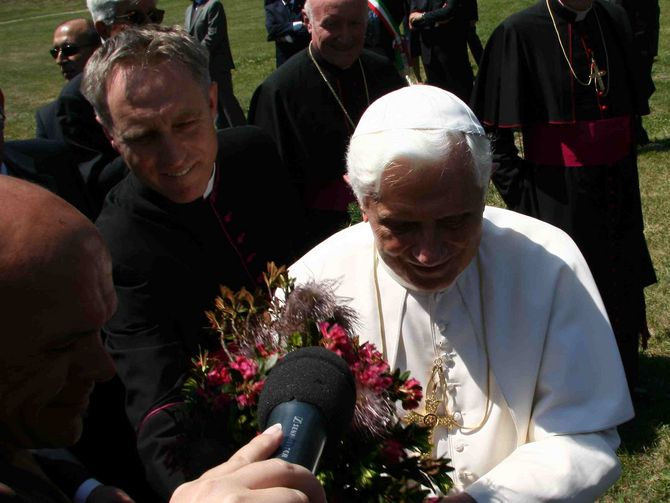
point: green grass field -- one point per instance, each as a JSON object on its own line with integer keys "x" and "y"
{"x": 29, "y": 78}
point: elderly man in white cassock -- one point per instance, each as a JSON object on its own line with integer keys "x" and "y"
{"x": 495, "y": 312}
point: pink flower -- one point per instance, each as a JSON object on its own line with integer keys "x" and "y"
{"x": 218, "y": 376}
{"x": 413, "y": 393}
{"x": 336, "y": 339}
{"x": 248, "y": 368}
{"x": 245, "y": 400}
{"x": 374, "y": 376}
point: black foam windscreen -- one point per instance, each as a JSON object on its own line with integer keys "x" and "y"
{"x": 313, "y": 375}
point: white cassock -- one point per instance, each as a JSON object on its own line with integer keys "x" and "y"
{"x": 535, "y": 350}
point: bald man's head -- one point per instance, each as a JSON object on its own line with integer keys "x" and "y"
{"x": 74, "y": 42}
{"x": 56, "y": 292}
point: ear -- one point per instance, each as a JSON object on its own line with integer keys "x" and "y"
{"x": 306, "y": 21}
{"x": 109, "y": 136}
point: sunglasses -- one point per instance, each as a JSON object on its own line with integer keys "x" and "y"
{"x": 139, "y": 18}
{"x": 67, "y": 50}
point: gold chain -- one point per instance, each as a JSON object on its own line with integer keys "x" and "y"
{"x": 594, "y": 72}
{"x": 430, "y": 418}
{"x": 337, "y": 98}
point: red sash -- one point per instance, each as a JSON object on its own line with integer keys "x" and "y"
{"x": 580, "y": 143}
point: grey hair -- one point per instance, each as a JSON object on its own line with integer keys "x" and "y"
{"x": 368, "y": 155}
{"x": 142, "y": 47}
{"x": 105, "y": 10}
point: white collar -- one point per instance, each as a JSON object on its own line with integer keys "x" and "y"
{"x": 210, "y": 184}
{"x": 580, "y": 14}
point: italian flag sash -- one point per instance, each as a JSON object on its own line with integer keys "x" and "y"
{"x": 400, "y": 42}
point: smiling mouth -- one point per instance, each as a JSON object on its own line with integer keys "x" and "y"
{"x": 178, "y": 174}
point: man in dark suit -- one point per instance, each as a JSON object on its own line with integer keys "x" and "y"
{"x": 199, "y": 208}
{"x": 444, "y": 27}
{"x": 206, "y": 21}
{"x": 73, "y": 43}
{"x": 284, "y": 24}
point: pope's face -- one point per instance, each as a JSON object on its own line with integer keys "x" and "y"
{"x": 428, "y": 224}
{"x": 338, "y": 29}
{"x": 51, "y": 352}
{"x": 163, "y": 127}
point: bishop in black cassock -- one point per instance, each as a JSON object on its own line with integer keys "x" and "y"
{"x": 568, "y": 81}
{"x": 297, "y": 108}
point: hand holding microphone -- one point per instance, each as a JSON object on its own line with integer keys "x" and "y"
{"x": 312, "y": 394}
{"x": 248, "y": 476}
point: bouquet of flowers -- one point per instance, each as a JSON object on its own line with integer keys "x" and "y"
{"x": 379, "y": 458}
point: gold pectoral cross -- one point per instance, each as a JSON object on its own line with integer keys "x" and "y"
{"x": 597, "y": 75}
{"x": 430, "y": 418}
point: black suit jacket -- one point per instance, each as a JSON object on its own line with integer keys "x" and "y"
{"x": 279, "y": 20}
{"x": 169, "y": 260}
{"x": 48, "y": 163}
{"x": 46, "y": 126}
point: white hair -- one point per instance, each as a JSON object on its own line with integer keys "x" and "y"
{"x": 370, "y": 154}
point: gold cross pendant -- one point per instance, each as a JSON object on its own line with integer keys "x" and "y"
{"x": 431, "y": 419}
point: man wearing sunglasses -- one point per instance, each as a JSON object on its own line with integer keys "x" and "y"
{"x": 74, "y": 119}
{"x": 74, "y": 42}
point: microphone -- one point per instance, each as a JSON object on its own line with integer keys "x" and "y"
{"x": 312, "y": 393}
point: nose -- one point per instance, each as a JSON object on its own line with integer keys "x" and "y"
{"x": 60, "y": 58}
{"x": 173, "y": 154}
{"x": 429, "y": 249}
{"x": 96, "y": 364}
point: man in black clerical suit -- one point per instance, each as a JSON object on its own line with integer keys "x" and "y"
{"x": 311, "y": 104}
{"x": 198, "y": 209}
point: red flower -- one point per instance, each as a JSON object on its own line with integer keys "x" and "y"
{"x": 413, "y": 393}
{"x": 218, "y": 376}
{"x": 248, "y": 368}
{"x": 336, "y": 339}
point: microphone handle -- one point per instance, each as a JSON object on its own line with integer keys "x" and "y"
{"x": 304, "y": 433}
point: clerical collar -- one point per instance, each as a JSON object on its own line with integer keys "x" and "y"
{"x": 574, "y": 15}
{"x": 210, "y": 184}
